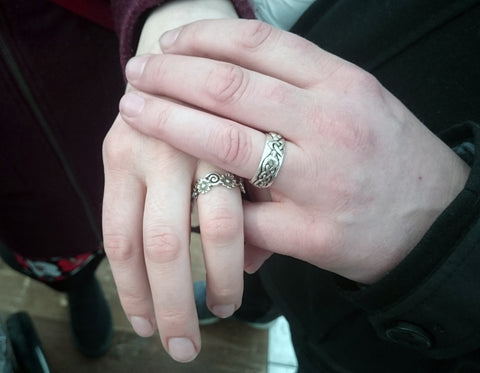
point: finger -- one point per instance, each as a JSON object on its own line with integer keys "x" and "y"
{"x": 166, "y": 232}
{"x": 122, "y": 234}
{"x": 268, "y": 225}
{"x": 122, "y": 217}
{"x": 254, "y": 255}
{"x": 253, "y": 99}
{"x": 218, "y": 141}
{"x": 220, "y": 213}
{"x": 256, "y": 46}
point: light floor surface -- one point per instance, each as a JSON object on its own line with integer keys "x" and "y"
{"x": 227, "y": 346}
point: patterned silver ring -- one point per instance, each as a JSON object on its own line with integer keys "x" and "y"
{"x": 272, "y": 159}
{"x": 227, "y": 180}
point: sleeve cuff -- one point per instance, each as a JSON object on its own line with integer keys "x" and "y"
{"x": 129, "y": 17}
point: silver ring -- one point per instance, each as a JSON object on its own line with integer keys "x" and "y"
{"x": 272, "y": 159}
{"x": 205, "y": 184}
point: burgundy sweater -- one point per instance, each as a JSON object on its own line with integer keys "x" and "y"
{"x": 126, "y": 17}
{"x": 60, "y": 83}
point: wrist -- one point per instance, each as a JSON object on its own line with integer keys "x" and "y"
{"x": 177, "y": 13}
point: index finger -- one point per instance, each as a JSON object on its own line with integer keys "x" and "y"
{"x": 254, "y": 45}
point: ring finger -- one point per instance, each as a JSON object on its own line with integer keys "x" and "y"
{"x": 220, "y": 214}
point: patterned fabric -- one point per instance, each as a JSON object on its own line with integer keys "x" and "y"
{"x": 58, "y": 268}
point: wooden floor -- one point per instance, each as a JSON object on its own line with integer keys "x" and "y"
{"x": 227, "y": 347}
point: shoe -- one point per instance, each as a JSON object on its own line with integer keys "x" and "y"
{"x": 90, "y": 319}
{"x": 205, "y": 317}
{"x": 28, "y": 354}
{"x": 8, "y": 363}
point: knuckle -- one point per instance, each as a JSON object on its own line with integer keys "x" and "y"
{"x": 162, "y": 247}
{"x": 192, "y": 38}
{"x": 115, "y": 150}
{"x": 220, "y": 227}
{"x": 175, "y": 318}
{"x": 255, "y": 34}
{"x": 233, "y": 146}
{"x": 161, "y": 117}
{"x": 279, "y": 93}
{"x": 226, "y": 83}
{"x": 108, "y": 149}
{"x": 133, "y": 302}
{"x": 118, "y": 247}
{"x": 360, "y": 80}
{"x": 351, "y": 135}
{"x": 155, "y": 70}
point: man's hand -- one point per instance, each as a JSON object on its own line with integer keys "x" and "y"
{"x": 362, "y": 179}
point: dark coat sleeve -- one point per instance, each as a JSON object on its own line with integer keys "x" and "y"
{"x": 431, "y": 301}
{"x": 129, "y": 16}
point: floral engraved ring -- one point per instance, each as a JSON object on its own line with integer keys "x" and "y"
{"x": 227, "y": 180}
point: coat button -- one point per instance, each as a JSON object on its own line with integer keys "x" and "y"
{"x": 409, "y": 335}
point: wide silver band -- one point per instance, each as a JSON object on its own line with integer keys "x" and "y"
{"x": 272, "y": 160}
{"x": 227, "y": 180}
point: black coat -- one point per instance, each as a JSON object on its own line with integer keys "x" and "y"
{"x": 424, "y": 316}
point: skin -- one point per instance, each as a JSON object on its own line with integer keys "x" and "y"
{"x": 362, "y": 181}
{"x": 146, "y": 217}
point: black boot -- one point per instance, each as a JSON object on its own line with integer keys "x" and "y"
{"x": 90, "y": 318}
{"x": 27, "y": 348}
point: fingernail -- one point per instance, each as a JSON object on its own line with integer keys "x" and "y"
{"x": 224, "y": 311}
{"x": 135, "y": 66}
{"x": 181, "y": 349}
{"x": 168, "y": 38}
{"x": 131, "y": 104}
{"x": 142, "y": 326}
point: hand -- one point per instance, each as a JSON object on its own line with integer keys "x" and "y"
{"x": 362, "y": 179}
{"x": 146, "y": 219}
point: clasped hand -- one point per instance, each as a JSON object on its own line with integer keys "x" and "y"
{"x": 362, "y": 179}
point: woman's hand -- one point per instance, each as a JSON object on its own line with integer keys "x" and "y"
{"x": 146, "y": 218}
{"x": 362, "y": 179}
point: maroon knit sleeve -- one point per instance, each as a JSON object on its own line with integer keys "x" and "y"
{"x": 129, "y": 16}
